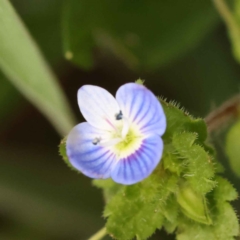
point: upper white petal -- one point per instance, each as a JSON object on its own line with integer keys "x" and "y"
{"x": 98, "y": 107}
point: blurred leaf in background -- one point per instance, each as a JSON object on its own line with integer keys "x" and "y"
{"x": 23, "y": 64}
{"x": 142, "y": 34}
{"x": 236, "y": 32}
{"x": 233, "y": 147}
{"x": 40, "y": 197}
{"x": 203, "y": 79}
{"x": 38, "y": 204}
{"x": 9, "y": 100}
{"x": 43, "y": 20}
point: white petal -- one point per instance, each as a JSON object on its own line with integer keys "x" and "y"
{"x": 139, "y": 105}
{"x": 98, "y": 107}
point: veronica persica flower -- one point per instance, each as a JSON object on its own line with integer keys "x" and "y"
{"x": 122, "y": 136}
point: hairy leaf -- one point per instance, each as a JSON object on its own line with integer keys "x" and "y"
{"x": 225, "y": 223}
{"x": 138, "y": 210}
{"x": 179, "y": 120}
{"x": 200, "y": 169}
{"x": 183, "y": 194}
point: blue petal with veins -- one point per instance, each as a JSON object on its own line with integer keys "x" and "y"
{"x": 121, "y": 138}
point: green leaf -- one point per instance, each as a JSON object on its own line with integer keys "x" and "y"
{"x": 225, "y": 222}
{"x": 171, "y": 162}
{"x": 141, "y": 35}
{"x": 225, "y": 226}
{"x": 63, "y": 153}
{"x": 199, "y": 165}
{"x": 233, "y": 148}
{"x": 171, "y": 210}
{"x": 42, "y": 21}
{"x": 110, "y": 188}
{"x": 138, "y": 210}
{"x": 23, "y": 64}
{"x": 193, "y": 204}
{"x": 179, "y": 120}
{"x": 224, "y": 191}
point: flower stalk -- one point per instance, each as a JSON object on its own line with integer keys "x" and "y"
{"x": 99, "y": 234}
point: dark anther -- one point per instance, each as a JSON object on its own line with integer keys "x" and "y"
{"x": 96, "y": 141}
{"x": 119, "y": 115}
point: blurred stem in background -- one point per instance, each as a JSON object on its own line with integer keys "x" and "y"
{"x": 226, "y": 14}
{"x": 231, "y": 20}
{"x": 23, "y": 64}
{"x": 223, "y": 114}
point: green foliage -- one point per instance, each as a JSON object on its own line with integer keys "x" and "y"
{"x": 109, "y": 186}
{"x": 139, "y": 209}
{"x": 178, "y": 195}
{"x": 193, "y": 204}
{"x": 183, "y": 195}
{"x": 234, "y": 30}
{"x": 63, "y": 153}
{"x": 232, "y": 21}
{"x": 225, "y": 222}
{"x": 146, "y": 35}
{"x": 233, "y": 148}
{"x": 199, "y": 168}
{"x": 42, "y": 19}
{"x": 140, "y": 81}
{"x": 24, "y": 66}
{"x": 9, "y": 98}
{"x": 179, "y": 120}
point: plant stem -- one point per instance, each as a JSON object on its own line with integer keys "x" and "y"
{"x": 226, "y": 14}
{"x": 223, "y": 114}
{"x": 99, "y": 235}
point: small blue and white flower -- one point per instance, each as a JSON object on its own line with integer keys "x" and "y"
{"x": 121, "y": 138}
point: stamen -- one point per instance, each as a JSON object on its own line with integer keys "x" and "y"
{"x": 119, "y": 115}
{"x": 111, "y": 142}
{"x": 125, "y": 128}
{"x": 96, "y": 140}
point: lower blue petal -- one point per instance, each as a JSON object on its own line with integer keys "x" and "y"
{"x": 92, "y": 160}
{"x": 140, "y": 164}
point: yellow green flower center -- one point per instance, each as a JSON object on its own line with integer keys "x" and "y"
{"x": 129, "y": 144}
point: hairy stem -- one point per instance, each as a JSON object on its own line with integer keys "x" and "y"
{"x": 223, "y": 114}
{"x": 99, "y": 235}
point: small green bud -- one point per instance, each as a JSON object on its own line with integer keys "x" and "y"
{"x": 140, "y": 81}
{"x": 193, "y": 205}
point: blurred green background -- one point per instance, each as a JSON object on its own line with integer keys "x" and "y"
{"x": 181, "y": 49}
